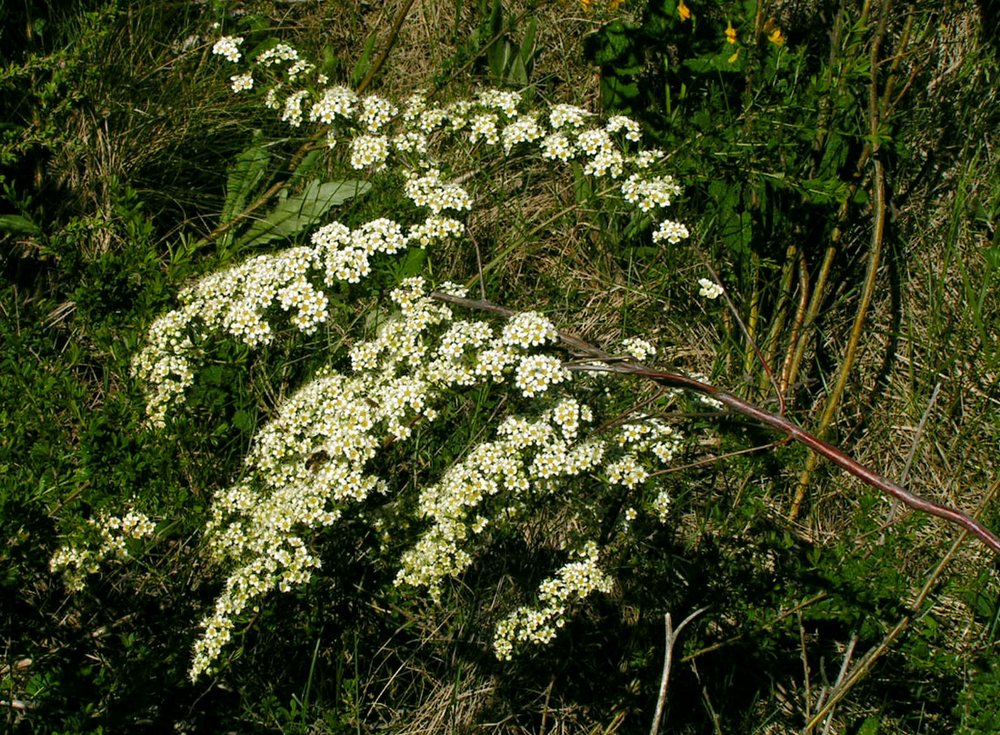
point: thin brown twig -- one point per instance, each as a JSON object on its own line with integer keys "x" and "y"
{"x": 604, "y": 362}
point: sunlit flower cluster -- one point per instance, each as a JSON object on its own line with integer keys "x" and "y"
{"x": 237, "y": 301}
{"x": 491, "y": 481}
{"x": 370, "y": 151}
{"x": 312, "y": 460}
{"x": 317, "y": 455}
{"x": 278, "y": 54}
{"x": 650, "y": 193}
{"x": 709, "y": 289}
{"x": 430, "y": 191}
{"x": 228, "y": 47}
{"x": 538, "y": 625}
{"x": 524, "y": 129}
{"x": 242, "y": 82}
{"x": 670, "y": 231}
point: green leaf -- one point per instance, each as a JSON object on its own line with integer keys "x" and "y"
{"x": 299, "y": 211}
{"x": 243, "y": 421}
{"x": 412, "y": 264}
{"x": 244, "y": 177}
{"x": 15, "y": 224}
{"x": 364, "y": 62}
{"x": 528, "y": 43}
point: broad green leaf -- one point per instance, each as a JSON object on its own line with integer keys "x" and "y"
{"x": 299, "y": 211}
{"x": 15, "y": 224}
{"x": 244, "y": 177}
{"x": 364, "y": 62}
{"x": 412, "y": 264}
{"x": 528, "y": 43}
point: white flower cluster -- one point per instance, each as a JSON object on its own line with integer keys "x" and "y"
{"x": 538, "y": 625}
{"x": 650, "y": 193}
{"x": 335, "y": 102}
{"x": 77, "y": 562}
{"x": 492, "y": 117}
{"x": 563, "y": 116}
{"x": 242, "y": 82}
{"x": 524, "y": 129}
{"x": 370, "y": 151}
{"x": 670, "y": 231}
{"x": 429, "y": 191}
{"x": 619, "y": 122}
{"x": 278, "y": 54}
{"x": 310, "y": 461}
{"x": 376, "y": 113}
{"x": 236, "y": 301}
{"x": 638, "y": 348}
{"x": 526, "y": 454}
{"x": 484, "y": 127}
{"x": 653, "y": 436}
{"x": 709, "y": 289}
{"x": 293, "y": 108}
{"x": 228, "y": 47}
{"x": 504, "y": 101}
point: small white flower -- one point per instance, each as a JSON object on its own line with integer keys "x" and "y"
{"x": 229, "y": 48}
{"x": 242, "y": 82}
{"x": 709, "y": 289}
{"x": 670, "y": 231}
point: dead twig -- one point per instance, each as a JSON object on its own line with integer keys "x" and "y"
{"x": 672, "y": 636}
{"x": 604, "y": 362}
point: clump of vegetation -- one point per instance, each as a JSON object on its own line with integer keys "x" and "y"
{"x": 302, "y": 418}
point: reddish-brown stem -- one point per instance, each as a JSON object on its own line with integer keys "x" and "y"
{"x": 605, "y": 362}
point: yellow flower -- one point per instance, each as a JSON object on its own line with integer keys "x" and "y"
{"x": 732, "y": 59}
{"x": 774, "y": 34}
{"x": 683, "y": 11}
{"x": 730, "y": 33}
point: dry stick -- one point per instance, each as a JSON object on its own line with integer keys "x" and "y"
{"x": 848, "y": 654}
{"x": 866, "y": 663}
{"x": 668, "y": 655}
{"x": 309, "y": 144}
{"x": 789, "y": 369}
{"x": 753, "y": 321}
{"x": 605, "y": 362}
{"x": 871, "y": 276}
{"x": 804, "y": 656}
{"x": 803, "y": 325}
{"x": 766, "y": 626}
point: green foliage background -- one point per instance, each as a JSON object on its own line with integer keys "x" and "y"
{"x": 123, "y": 151}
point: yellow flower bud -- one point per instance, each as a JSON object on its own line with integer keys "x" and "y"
{"x": 730, "y": 33}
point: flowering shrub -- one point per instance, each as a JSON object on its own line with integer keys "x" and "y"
{"x": 319, "y": 455}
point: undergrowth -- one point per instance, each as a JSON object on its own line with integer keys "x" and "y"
{"x": 127, "y": 163}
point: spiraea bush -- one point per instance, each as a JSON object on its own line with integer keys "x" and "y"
{"x": 322, "y": 455}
